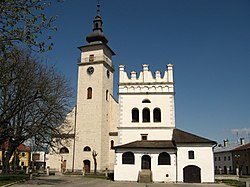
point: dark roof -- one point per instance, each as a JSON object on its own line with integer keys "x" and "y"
{"x": 150, "y": 144}
{"x": 242, "y": 147}
{"x": 180, "y": 136}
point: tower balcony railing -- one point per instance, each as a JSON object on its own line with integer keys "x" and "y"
{"x": 96, "y": 59}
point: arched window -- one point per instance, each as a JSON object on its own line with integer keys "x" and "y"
{"x": 191, "y": 154}
{"x": 135, "y": 115}
{"x": 64, "y": 150}
{"x": 89, "y": 93}
{"x": 107, "y": 95}
{"x": 87, "y": 148}
{"x": 146, "y": 101}
{"x": 157, "y": 115}
{"x": 128, "y": 158}
{"x": 111, "y": 144}
{"x": 146, "y": 115}
{"x": 164, "y": 159}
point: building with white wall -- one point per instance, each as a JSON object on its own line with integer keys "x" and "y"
{"x": 135, "y": 137}
{"x": 148, "y": 141}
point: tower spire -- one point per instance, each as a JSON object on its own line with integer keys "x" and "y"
{"x": 97, "y": 36}
{"x": 98, "y": 8}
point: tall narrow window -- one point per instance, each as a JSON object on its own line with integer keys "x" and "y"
{"x": 146, "y": 115}
{"x": 91, "y": 58}
{"x": 112, "y": 144}
{"x": 89, "y": 93}
{"x": 157, "y": 115}
{"x": 164, "y": 159}
{"x": 135, "y": 115}
{"x": 107, "y": 95}
{"x": 191, "y": 154}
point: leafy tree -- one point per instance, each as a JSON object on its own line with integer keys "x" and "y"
{"x": 24, "y": 22}
{"x": 34, "y": 100}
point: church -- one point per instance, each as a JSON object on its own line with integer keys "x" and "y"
{"x": 135, "y": 138}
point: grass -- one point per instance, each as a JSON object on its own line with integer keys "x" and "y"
{"x": 10, "y": 178}
{"x": 233, "y": 183}
{"x": 95, "y": 176}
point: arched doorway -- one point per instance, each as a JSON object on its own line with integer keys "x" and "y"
{"x": 145, "y": 162}
{"x": 192, "y": 174}
{"x": 86, "y": 165}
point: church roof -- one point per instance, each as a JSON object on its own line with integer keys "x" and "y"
{"x": 180, "y": 136}
{"x": 97, "y": 35}
{"x": 150, "y": 144}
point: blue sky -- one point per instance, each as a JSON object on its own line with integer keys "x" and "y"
{"x": 208, "y": 41}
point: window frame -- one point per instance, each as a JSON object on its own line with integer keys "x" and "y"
{"x": 64, "y": 150}
{"x": 86, "y": 149}
{"x": 145, "y": 115}
{"x": 157, "y": 115}
{"x": 135, "y": 115}
{"x": 164, "y": 158}
{"x": 89, "y": 93}
{"x": 191, "y": 155}
{"x": 128, "y": 158}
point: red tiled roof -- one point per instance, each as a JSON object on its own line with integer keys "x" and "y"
{"x": 21, "y": 147}
{"x": 242, "y": 147}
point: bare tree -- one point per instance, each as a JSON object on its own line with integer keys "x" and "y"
{"x": 94, "y": 155}
{"x": 34, "y": 100}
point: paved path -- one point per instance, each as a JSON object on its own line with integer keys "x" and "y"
{"x": 78, "y": 181}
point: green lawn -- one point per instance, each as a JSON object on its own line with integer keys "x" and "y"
{"x": 9, "y": 178}
{"x": 233, "y": 183}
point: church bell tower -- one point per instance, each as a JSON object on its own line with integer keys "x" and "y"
{"x": 95, "y": 87}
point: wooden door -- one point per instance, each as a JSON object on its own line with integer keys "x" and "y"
{"x": 192, "y": 174}
{"x": 86, "y": 164}
{"x": 63, "y": 166}
{"x": 146, "y": 162}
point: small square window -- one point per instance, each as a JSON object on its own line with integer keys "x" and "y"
{"x": 144, "y": 137}
{"x": 91, "y": 58}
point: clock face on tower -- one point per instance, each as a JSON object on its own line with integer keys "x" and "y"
{"x": 90, "y": 70}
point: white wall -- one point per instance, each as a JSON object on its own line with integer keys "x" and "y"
{"x": 203, "y": 158}
{"x": 130, "y": 172}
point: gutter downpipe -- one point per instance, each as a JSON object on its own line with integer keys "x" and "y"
{"x": 74, "y": 147}
{"x": 176, "y": 167}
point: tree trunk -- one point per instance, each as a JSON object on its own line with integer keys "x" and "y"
{"x": 6, "y": 161}
{"x": 6, "y": 156}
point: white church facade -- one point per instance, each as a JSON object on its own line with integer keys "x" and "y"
{"x": 136, "y": 138}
